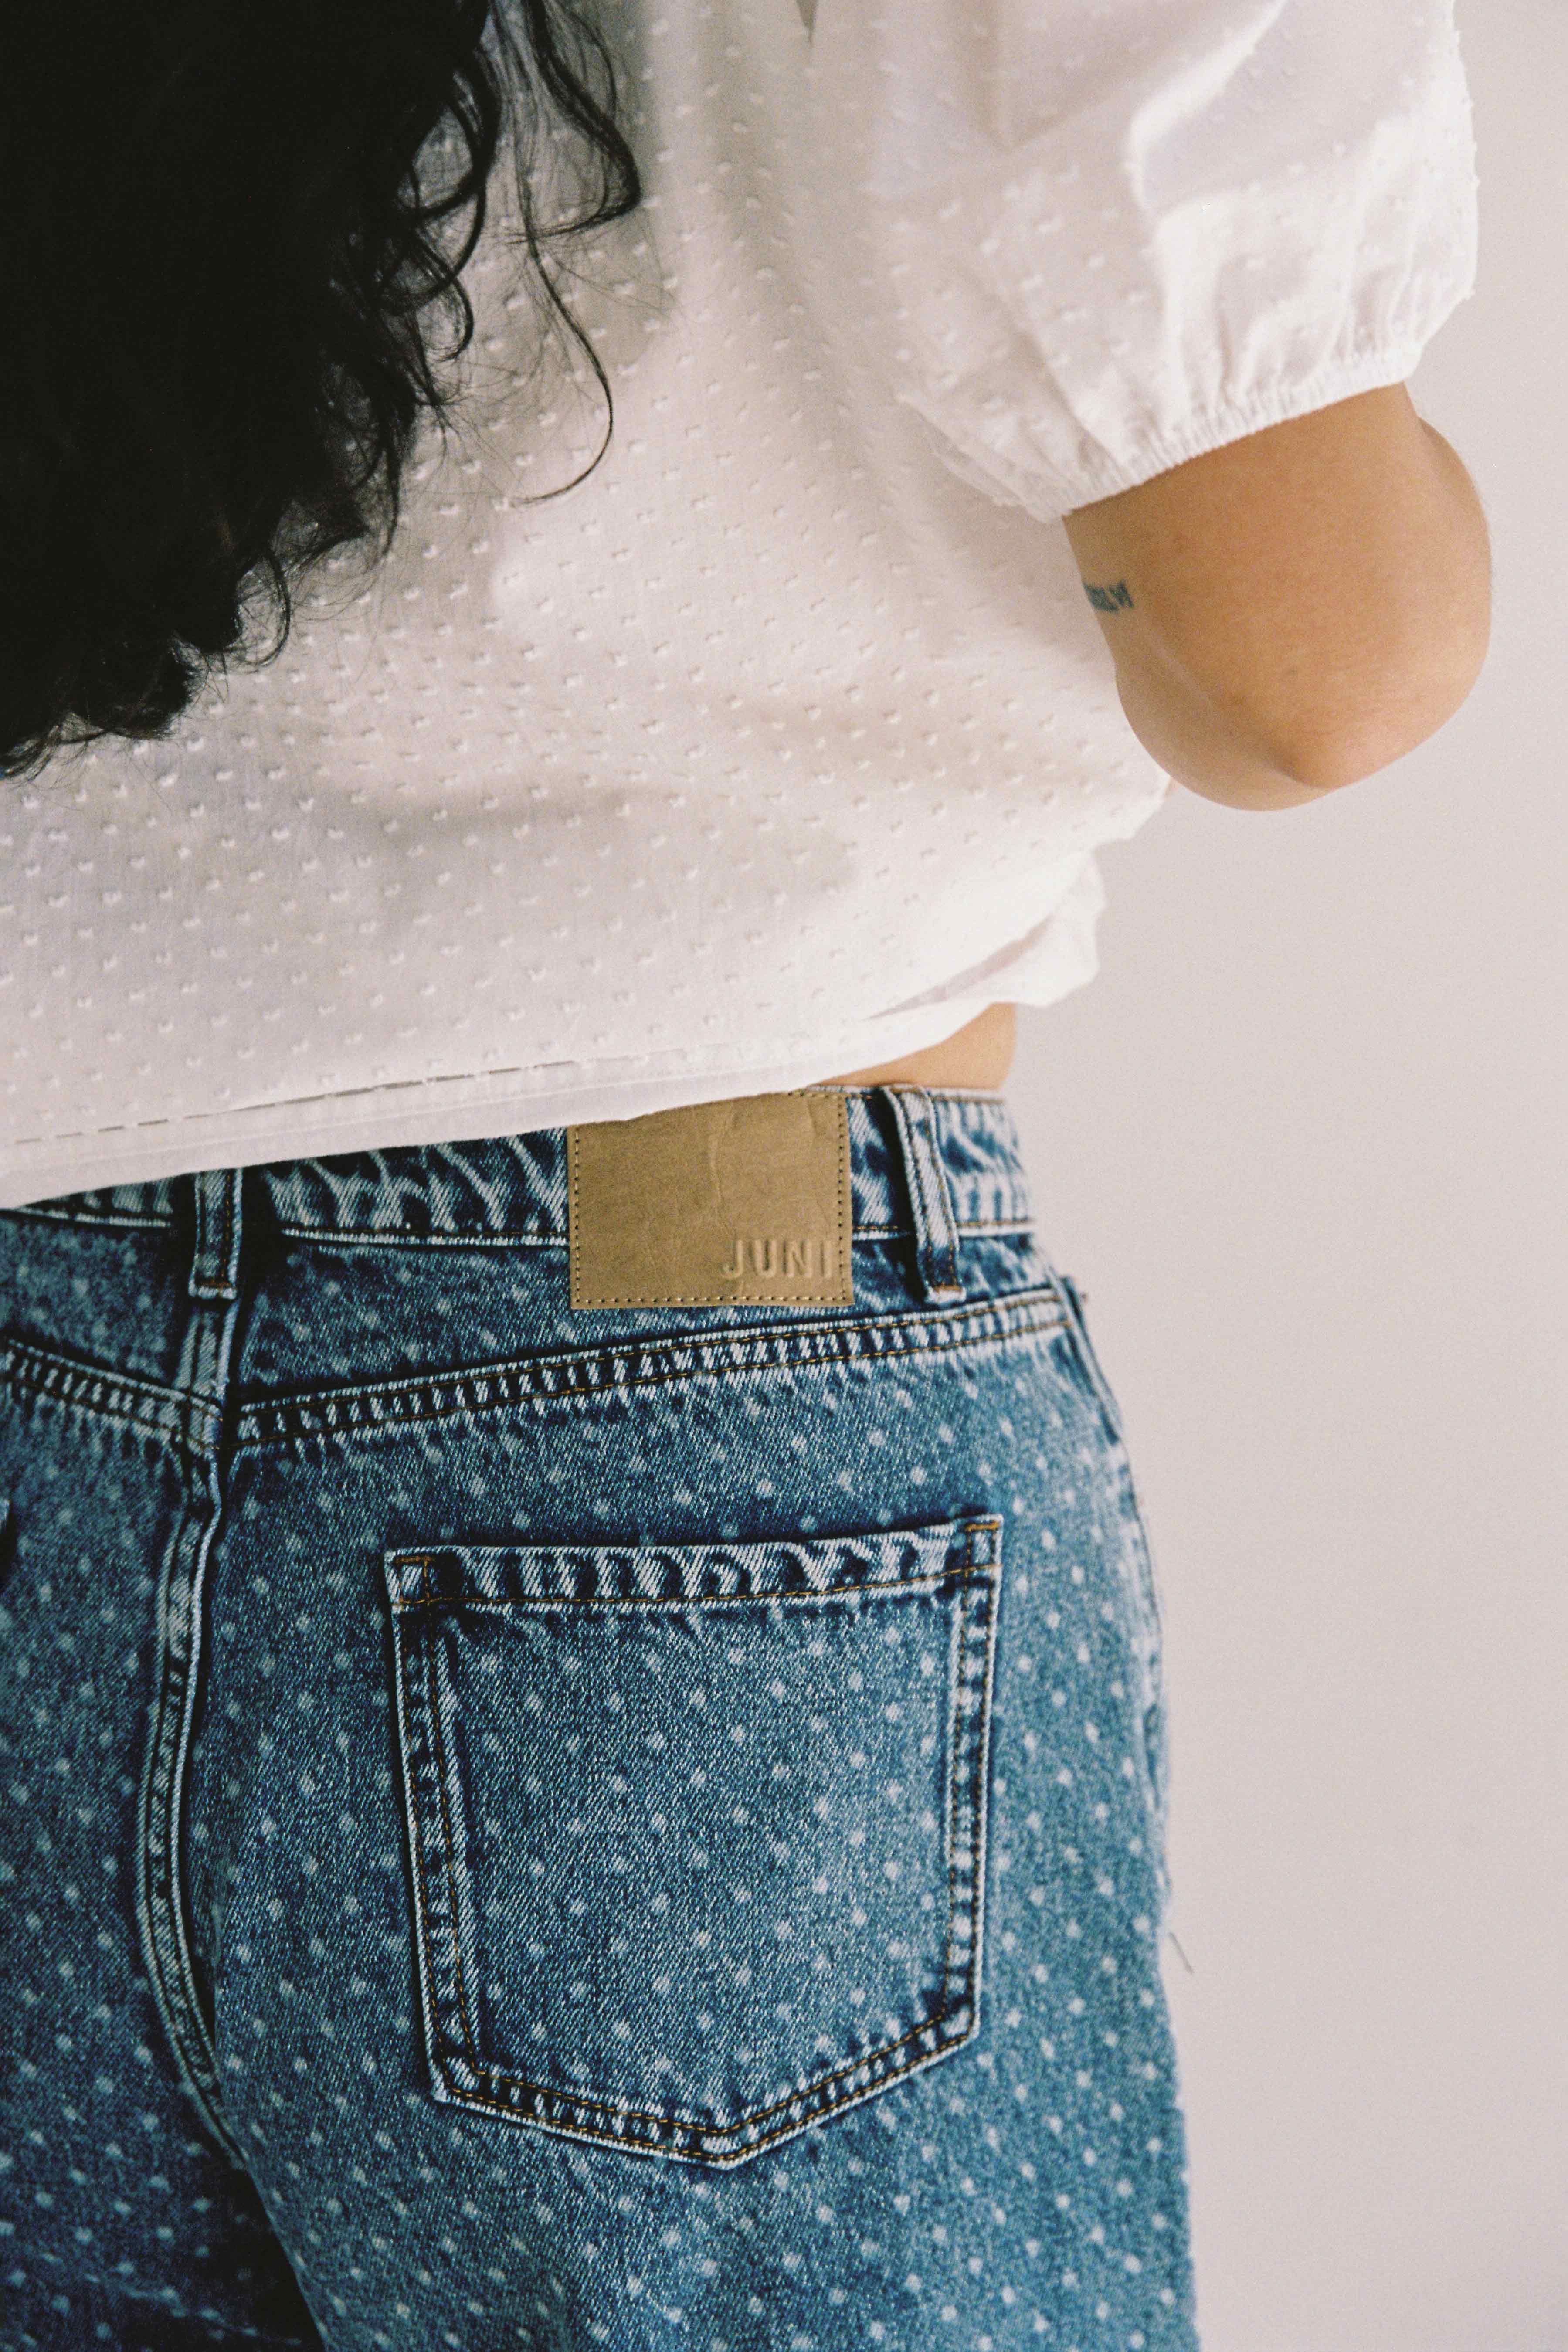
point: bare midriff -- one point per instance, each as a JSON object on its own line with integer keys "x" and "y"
{"x": 978, "y": 1054}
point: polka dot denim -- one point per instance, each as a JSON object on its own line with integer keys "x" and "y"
{"x": 551, "y": 1827}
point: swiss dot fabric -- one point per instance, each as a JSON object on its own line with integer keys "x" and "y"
{"x": 783, "y": 743}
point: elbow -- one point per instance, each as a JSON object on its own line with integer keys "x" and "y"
{"x": 1432, "y": 669}
{"x": 1333, "y": 758}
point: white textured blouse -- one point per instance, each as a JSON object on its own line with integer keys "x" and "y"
{"x": 781, "y": 745}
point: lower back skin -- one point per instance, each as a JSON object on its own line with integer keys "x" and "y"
{"x": 978, "y": 1054}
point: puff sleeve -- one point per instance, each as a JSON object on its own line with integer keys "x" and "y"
{"x": 1086, "y": 240}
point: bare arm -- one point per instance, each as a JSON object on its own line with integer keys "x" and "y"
{"x": 1292, "y": 613}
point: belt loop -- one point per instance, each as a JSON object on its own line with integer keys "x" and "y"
{"x": 215, "y": 1269}
{"x": 930, "y": 1202}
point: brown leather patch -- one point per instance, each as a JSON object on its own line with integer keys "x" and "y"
{"x": 742, "y": 1202}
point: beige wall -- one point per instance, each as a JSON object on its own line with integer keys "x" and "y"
{"x": 1303, "y": 1143}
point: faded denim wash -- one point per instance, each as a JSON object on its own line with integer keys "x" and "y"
{"x": 524, "y": 1826}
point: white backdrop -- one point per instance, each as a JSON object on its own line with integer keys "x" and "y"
{"x": 1302, "y": 1142}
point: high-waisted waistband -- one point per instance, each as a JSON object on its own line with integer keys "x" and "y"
{"x": 930, "y": 1163}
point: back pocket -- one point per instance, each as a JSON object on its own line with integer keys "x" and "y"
{"x": 697, "y": 1832}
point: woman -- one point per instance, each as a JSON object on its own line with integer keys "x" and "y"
{"x": 580, "y": 1667}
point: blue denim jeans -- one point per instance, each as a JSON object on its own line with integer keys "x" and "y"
{"x": 560, "y": 1827}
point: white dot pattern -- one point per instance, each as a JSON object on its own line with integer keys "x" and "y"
{"x": 624, "y": 1663}
{"x": 782, "y": 743}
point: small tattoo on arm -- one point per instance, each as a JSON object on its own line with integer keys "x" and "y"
{"x": 1109, "y": 600}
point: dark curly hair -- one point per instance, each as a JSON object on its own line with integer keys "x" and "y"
{"x": 217, "y": 259}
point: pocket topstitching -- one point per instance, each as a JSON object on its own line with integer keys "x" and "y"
{"x": 696, "y": 1831}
